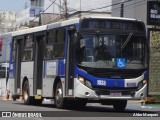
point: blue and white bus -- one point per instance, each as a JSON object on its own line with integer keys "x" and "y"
{"x": 77, "y": 61}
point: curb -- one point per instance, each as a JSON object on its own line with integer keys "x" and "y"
{"x": 9, "y": 97}
{"x": 150, "y": 100}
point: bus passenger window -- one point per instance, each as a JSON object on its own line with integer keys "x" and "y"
{"x": 58, "y": 50}
{"x": 61, "y": 35}
{"x": 58, "y": 46}
{"x": 28, "y": 48}
{"x": 27, "y": 56}
{"x": 51, "y": 37}
{"x": 48, "y": 52}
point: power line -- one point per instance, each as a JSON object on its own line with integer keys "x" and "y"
{"x": 54, "y": 20}
{"x": 73, "y": 9}
{"x": 129, "y": 4}
{"x": 56, "y": 4}
{"x": 44, "y": 10}
{"x": 59, "y": 5}
{"x": 53, "y": 2}
{"x": 111, "y": 6}
{"x": 87, "y": 7}
{"x": 101, "y": 7}
{"x": 108, "y": 5}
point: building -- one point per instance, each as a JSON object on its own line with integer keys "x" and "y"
{"x": 7, "y": 21}
{"x": 29, "y": 16}
{"x": 5, "y": 40}
{"x": 87, "y": 14}
{"x": 132, "y": 9}
{"x": 5, "y": 53}
{"x": 149, "y": 12}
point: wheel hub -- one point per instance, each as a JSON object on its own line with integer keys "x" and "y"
{"x": 25, "y": 95}
{"x": 59, "y": 95}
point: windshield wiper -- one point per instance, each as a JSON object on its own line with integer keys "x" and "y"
{"x": 127, "y": 40}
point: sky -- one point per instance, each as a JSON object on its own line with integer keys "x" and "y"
{"x": 12, "y": 5}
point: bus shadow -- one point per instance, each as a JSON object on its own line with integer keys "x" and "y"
{"x": 42, "y": 105}
{"x": 95, "y": 109}
{"x": 110, "y": 110}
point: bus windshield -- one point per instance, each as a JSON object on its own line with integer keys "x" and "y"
{"x": 101, "y": 51}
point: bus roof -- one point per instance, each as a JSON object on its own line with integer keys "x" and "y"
{"x": 70, "y": 21}
{"x": 64, "y": 23}
{"x": 108, "y": 17}
{"x": 29, "y": 30}
{"x": 53, "y": 25}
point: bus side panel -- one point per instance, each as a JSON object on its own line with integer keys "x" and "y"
{"x": 27, "y": 71}
{"x": 11, "y": 79}
{"x": 48, "y": 87}
{"x": 50, "y": 72}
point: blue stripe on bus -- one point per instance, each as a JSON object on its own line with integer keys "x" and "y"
{"x": 118, "y": 83}
{"x": 115, "y": 83}
{"x": 61, "y": 68}
{"x": 44, "y": 70}
{"x": 145, "y": 75}
{"x": 11, "y": 71}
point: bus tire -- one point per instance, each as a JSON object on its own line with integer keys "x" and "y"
{"x": 37, "y": 102}
{"x": 80, "y": 103}
{"x": 26, "y": 96}
{"x": 14, "y": 97}
{"x": 120, "y": 105}
{"x": 60, "y": 102}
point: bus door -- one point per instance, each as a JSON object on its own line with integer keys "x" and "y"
{"x": 18, "y": 58}
{"x": 69, "y": 82}
{"x": 38, "y": 64}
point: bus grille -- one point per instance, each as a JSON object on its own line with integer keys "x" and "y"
{"x": 114, "y": 73}
{"x": 107, "y": 92}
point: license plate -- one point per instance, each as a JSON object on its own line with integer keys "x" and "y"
{"x": 37, "y": 97}
{"x": 115, "y": 93}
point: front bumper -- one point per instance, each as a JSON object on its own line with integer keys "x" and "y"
{"x": 82, "y": 91}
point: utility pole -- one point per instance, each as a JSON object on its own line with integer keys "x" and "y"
{"x": 122, "y": 8}
{"x": 80, "y": 10}
{"x": 65, "y": 9}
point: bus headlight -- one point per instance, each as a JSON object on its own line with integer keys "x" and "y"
{"x": 81, "y": 79}
{"x": 141, "y": 84}
{"x": 85, "y": 82}
{"x": 144, "y": 81}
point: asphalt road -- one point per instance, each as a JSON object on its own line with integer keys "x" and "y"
{"x": 134, "y": 111}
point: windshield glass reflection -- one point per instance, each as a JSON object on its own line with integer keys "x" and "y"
{"x": 101, "y": 51}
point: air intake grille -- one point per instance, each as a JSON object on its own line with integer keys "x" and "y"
{"x": 114, "y": 73}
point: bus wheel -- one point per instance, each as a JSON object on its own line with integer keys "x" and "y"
{"x": 120, "y": 106}
{"x": 82, "y": 104}
{"x": 59, "y": 100}
{"x": 26, "y": 97}
{"x": 37, "y": 102}
{"x": 79, "y": 104}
